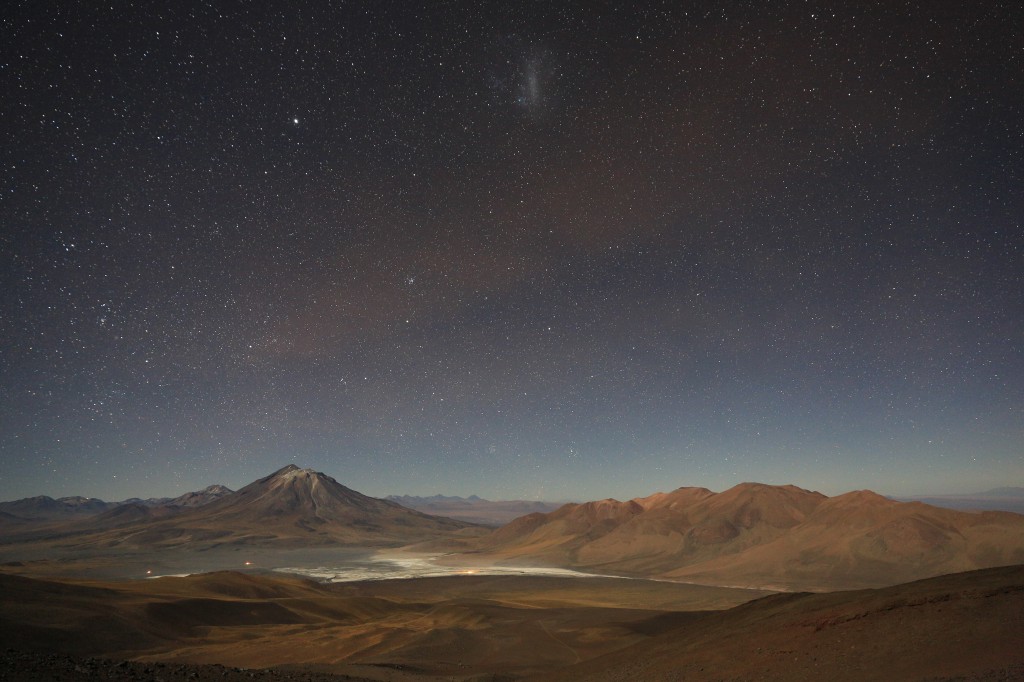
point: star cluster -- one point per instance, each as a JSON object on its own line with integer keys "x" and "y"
{"x": 518, "y": 250}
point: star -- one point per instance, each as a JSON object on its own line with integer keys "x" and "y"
{"x": 750, "y": 270}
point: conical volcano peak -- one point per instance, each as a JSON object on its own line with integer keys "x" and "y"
{"x": 295, "y": 505}
{"x": 293, "y": 471}
{"x": 296, "y": 472}
{"x": 293, "y": 477}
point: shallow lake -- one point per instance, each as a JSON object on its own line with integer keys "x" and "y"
{"x": 330, "y": 565}
{"x": 393, "y": 566}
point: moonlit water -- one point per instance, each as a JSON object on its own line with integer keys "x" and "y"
{"x": 330, "y": 565}
{"x": 390, "y": 567}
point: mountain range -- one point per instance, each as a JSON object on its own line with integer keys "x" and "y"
{"x": 41, "y": 507}
{"x": 773, "y": 537}
{"x": 1007, "y": 498}
{"x": 474, "y": 509}
{"x": 752, "y": 535}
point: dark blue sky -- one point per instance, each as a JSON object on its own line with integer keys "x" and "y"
{"x": 522, "y": 250}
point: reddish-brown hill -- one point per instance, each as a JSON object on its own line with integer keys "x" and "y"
{"x": 753, "y": 534}
{"x": 559, "y": 535}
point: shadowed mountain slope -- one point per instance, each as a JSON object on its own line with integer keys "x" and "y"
{"x": 960, "y": 626}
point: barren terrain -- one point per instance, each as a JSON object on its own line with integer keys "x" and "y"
{"x": 396, "y": 629}
{"x": 762, "y": 536}
{"x": 964, "y": 626}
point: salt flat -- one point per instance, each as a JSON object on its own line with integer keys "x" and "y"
{"x": 396, "y": 565}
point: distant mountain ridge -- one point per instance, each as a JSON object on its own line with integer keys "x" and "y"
{"x": 1006, "y": 498}
{"x": 781, "y": 537}
{"x": 1007, "y": 491}
{"x": 473, "y": 509}
{"x": 430, "y": 499}
{"x": 42, "y": 507}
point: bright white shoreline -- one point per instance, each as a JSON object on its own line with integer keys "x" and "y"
{"x": 385, "y": 565}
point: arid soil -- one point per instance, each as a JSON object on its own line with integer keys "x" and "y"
{"x": 421, "y": 629}
{"x": 965, "y": 626}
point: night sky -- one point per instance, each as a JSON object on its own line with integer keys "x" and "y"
{"x": 522, "y": 250}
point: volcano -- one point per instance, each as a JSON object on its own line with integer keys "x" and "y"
{"x": 291, "y": 507}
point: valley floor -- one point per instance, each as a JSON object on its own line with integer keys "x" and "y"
{"x": 472, "y": 627}
{"x": 459, "y": 627}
